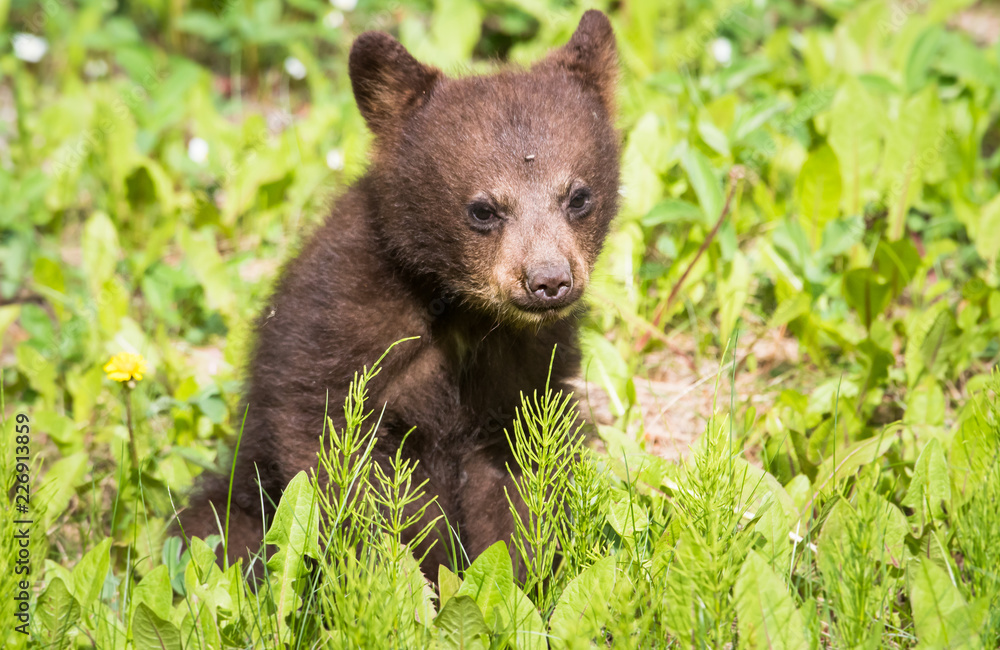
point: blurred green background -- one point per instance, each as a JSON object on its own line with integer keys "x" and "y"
{"x": 159, "y": 159}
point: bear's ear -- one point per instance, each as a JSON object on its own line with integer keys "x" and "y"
{"x": 387, "y": 81}
{"x": 591, "y": 55}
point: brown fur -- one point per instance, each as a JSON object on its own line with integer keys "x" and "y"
{"x": 403, "y": 255}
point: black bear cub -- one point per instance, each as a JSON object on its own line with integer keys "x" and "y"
{"x": 476, "y": 229}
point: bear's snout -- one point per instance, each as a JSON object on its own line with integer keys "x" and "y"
{"x": 549, "y": 284}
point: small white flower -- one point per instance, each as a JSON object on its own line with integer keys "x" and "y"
{"x": 29, "y": 47}
{"x": 722, "y": 50}
{"x": 198, "y": 150}
{"x": 344, "y": 5}
{"x": 295, "y": 68}
{"x": 335, "y": 159}
{"x": 94, "y": 68}
{"x": 333, "y": 20}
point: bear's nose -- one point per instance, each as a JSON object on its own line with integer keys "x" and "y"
{"x": 549, "y": 282}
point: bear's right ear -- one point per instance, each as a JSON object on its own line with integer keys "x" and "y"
{"x": 387, "y": 81}
{"x": 591, "y": 56}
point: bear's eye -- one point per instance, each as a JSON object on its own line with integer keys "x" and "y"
{"x": 579, "y": 202}
{"x": 483, "y": 215}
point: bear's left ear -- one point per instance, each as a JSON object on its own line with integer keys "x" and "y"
{"x": 591, "y": 55}
{"x": 387, "y": 81}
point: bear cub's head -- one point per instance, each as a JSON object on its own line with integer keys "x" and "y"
{"x": 498, "y": 189}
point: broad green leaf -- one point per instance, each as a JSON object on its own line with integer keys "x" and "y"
{"x": 672, "y": 211}
{"x": 489, "y": 582}
{"x": 866, "y": 293}
{"x": 523, "y": 623}
{"x": 884, "y": 540}
{"x": 765, "y": 610}
{"x": 928, "y": 333}
{"x": 39, "y": 371}
{"x": 855, "y": 456}
{"x": 627, "y": 518}
{"x": 448, "y": 584}
{"x": 212, "y": 272}
{"x": 705, "y": 183}
{"x": 733, "y": 291}
{"x": 59, "y": 486}
{"x": 818, "y": 192}
{"x": 971, "y": 455}
{"x": 987, "y": 237}
{"x": 930, "y": 488}
{"x": 455, "y": 28}
{"x": 857, "y": 123}
{"x": 461, "y": 625}
{"x": 583, "y": 607}
{"x": 90, "y": 572}
{"x": 58, "y": 612}
{"x": 921, "y": 58}
{"x": 152, "y": 632}
{"x": 942, "y": 617}
{"x": 49, "y": 278}
{"x": 295, "y": 531}
{"x": 915, "y": 145}
{"x": 155, "y": 592}
{"x": 606, "y": 367}
{"x": 413, "y": 590}
{"x": 100, "y": 251}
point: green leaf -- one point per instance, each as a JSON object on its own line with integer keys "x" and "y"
{"x": 930, "y": 487}
{"x": 58, "y": 612}
{"x": 295, "y": 531}
{"x": 203, "y": 255}
{"x": 59, "y": 486}
{"x": 583, "y": 608}
{"x": 461, "y": 624}
{"x": 765, "y": 610}
{"x": 606, "y": 367}
{"x": 201, "y": 23}
{"x": 867, "y": 294}
{"x": 521, "y": 620}
{"x": 856, "y": 125}
{"x": 940, "y": 614}
{"x": 818, "y": 192}
{"x": 627, "y": 518}
{"x": 151, "y": 631}
{"x": 885, "y": 538}
{"x": 987, "y": 235}
{"x": 915, "y": 145}
{"x": 489, "y": 582}
{"x": 733, "y": 290}
{"x": 855, "y": 456}
{"x": 100, "y": 251}
{"x": 672, "y": 211}
{"x": 90, "y": 572}
{"x": 39, "y": 371}
{"x": 448, "y": 584}
{"x": 705, "y": 183}
{"x": 155, "y": 592}
{"x": 922, "y": 54}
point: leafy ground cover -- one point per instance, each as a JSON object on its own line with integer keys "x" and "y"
{"x": 810, "y": 231}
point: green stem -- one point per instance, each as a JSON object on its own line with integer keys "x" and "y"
{"x": 133, "y": 450}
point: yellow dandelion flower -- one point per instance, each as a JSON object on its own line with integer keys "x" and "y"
{"x": 125, "y": 366}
